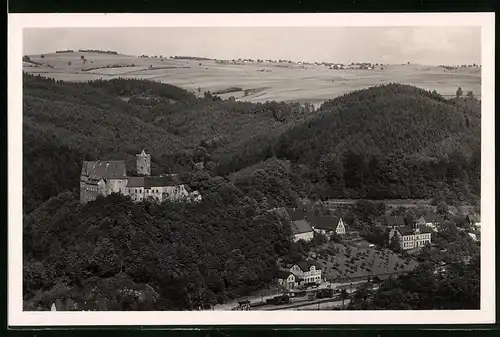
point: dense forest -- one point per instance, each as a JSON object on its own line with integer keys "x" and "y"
{"x": 114, "y": 254}
{"x": 386, "y": 142}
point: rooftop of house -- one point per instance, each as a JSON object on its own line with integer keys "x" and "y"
{"x": 306, "y": 265}
{"x": 407, "y": 230}
{"x": 301, "y": 226}
{"x": 282, "y": 274}
{"x": 110, "y": 169}
{"x": 324, "y": 222}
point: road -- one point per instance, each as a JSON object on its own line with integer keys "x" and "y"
{"x": 256, "y": 299}
{"x": 322, "y": 306}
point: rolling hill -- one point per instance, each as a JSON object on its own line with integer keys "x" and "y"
{"x": 259, "y": 81}
{"x": 390, "y": 141}
{"x": 65, "y": 123}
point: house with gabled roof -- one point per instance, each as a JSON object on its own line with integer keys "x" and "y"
{"x": 328, "y": 225}
{"x": 309, "y": 271}
{"x": 302, "y": 230}
{"x": 287, "y": 279}
{"x": 432, "y": 221}
{"x": 411, "y": 238}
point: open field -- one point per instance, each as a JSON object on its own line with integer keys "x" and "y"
{"x": 358, "y": 260}
{"x": 259, "y": 81}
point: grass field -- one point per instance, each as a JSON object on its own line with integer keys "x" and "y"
{"x": 261, "y": 81}
{"x": 359, "y": 261}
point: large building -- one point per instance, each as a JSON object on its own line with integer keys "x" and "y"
{"x": 106, "y": 177}
{"x": 411, "y": 238}
{"x": 308, "y": 271}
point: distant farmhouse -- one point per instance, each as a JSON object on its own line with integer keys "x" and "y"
{"x": 328, "y": 225}
{"x": 106, "y": 177}
{"x": 300, "y": 274}
{"x": 305, "y": 224}
{"x": 307, "y": 271}
{"x": 302, "y": 230}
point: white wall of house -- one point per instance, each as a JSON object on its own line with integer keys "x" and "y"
{"x": 288, "y": 283}
{"x": 340, "y": 227}
{"x": 307, "y": 236}
{"x": 313, "y": 275}
{"x": 416, "y": 240}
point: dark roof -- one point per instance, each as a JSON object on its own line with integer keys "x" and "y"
{"x": 283, "y": 274}
{"x": 406, "y": 230}
{"x": 325, "y": 222}
{"x": 306, "y": 265}
{"x": 298, "y": 214}
{"x": 159, "y": 181}
{"x": 395, "y": 221}
{"x": 105, "y": 169}
{"x": 135, "y": 182}
{"x": 301, "y": 226}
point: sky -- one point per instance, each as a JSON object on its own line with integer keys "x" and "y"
{"x": 393, "y": 45}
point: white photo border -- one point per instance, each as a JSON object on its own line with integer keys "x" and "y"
{"x": 18, "y": 317}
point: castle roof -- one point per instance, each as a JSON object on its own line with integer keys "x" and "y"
{"x": 158, "y": 181}
{"x": 155, "y": 181}
{"x": 135, "y": 182}
{"x": 110, "y": 169}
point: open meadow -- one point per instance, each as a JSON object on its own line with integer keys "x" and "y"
{"x": 357, "y": 260}
{"x": 251, "y": 81}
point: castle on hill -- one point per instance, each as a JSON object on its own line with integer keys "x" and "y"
{"x": 106, "y": 177}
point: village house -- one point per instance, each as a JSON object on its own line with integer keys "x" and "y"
{"x": 411, "y": 238}
{"x": 287, "y": 280}
{"x": 467, "y": 220}
{"x": 302, "y": 230}
{"x": 328, "y": 225}
{"x": 431, "y": 220}
{"x": 106, "y": 177}
{"x": 308, "y": 271}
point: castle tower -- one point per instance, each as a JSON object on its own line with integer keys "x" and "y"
{"x": 143, "y": 163}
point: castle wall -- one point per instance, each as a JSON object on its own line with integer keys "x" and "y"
{"x": 116, "y": 186}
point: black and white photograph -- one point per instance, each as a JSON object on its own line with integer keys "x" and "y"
{"x": 329, "y": 169}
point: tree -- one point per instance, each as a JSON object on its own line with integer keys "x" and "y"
{"x": 82, "y": 57}
{"x": 459, "y": 92}
{"x": 42, "y": 56}
{"x": 470, "y": 94}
